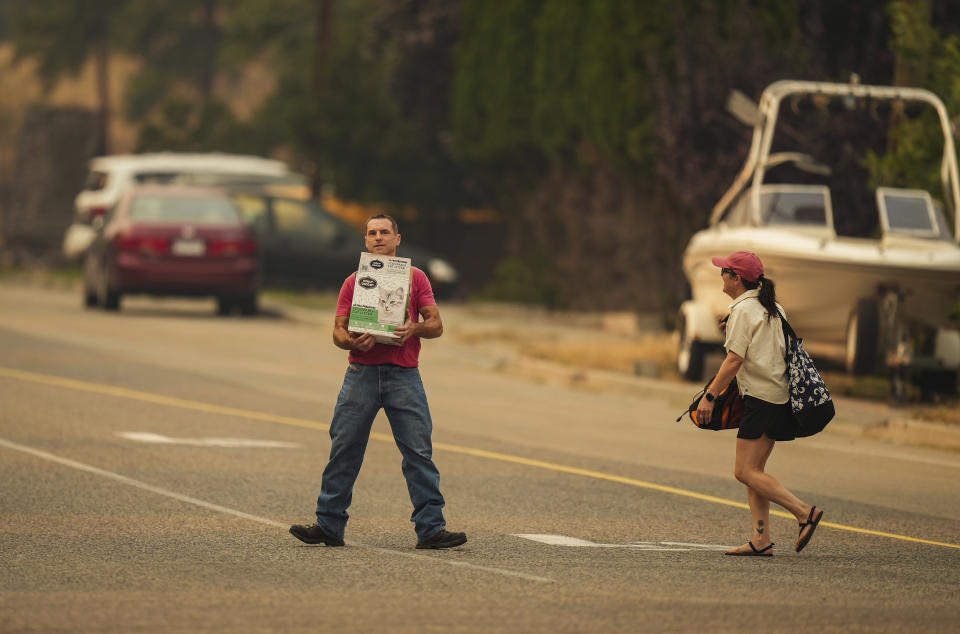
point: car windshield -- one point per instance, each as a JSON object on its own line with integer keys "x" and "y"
{"x": 206, "y": 210}
{"x": 155, "y": 178}
{"x": 224, "y": 178}
{"x": 305, "y": 216}
{"x": 291, "y": 215}
{"x": 95, "y": 181}
{"x": 207, "y": 178}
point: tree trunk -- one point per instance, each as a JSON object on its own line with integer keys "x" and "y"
{"x": 910, "y": 66}
{"x": 102, "y": 61}
{"x": 210, "y": 44}
{"x": 321, "y": 54}
{"x": 322, "y": 39}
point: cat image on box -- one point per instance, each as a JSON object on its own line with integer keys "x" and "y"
{"x": 391, "y": 305}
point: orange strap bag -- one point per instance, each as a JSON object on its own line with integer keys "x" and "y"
{"x": 727, "y": 408}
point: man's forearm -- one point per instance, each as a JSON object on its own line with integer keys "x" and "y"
{"x": 430, "y": 328}
{"x": 342, "y": 339}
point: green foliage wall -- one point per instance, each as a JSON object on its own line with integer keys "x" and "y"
{"x": 598, "y": 128}
{"x": 549, "y": 73}
{"x": 931, "y": 59}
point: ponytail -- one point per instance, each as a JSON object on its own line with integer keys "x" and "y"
{"x": 767, "y": 296}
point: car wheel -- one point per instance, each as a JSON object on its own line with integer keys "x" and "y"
{"x": 248, "y": 305}
{"x": 108, "y": 297}
{"x": 89, "y": 296}
{"x": 863, "y": 329}
{"x": 690, "y": 354}
{"x": 224, "y": 306}
{"x": 937, "y": 383}
{"x": 111, "y": 300}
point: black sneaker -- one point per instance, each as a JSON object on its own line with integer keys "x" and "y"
{"x": 443, "y": 539}
{"x": 313, "y": 534}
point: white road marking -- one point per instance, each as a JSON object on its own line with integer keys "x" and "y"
{"x": 575, "y": 542}
{"x": 147, "y": 437}
{"x": 168, "y": 401}
{"x": 557, "y": 540}
{"x": 247, "y": 516}
{"x": 700, "y": 546}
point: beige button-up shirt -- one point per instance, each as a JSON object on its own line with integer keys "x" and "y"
{"x": 759, "y": 340}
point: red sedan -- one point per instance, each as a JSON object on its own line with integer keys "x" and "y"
{"x": 173, "y": 241}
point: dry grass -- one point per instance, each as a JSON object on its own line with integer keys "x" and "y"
{"x": 60, "y": 279}
{"x": 842, "y": 384}
{"x": 615, "y": 355}
{"x": 479, "y": 336}
{"x": 314, "y": 300}
{"x": 654, "y": 354}
{"x": 580, "y": 341}
{"x": 947, "y": 413}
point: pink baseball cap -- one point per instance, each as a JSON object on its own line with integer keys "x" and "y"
{"x": 746, "y": 264}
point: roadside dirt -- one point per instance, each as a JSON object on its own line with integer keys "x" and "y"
{"x": 603, "y": 352}
{"x": 607, "y": 352}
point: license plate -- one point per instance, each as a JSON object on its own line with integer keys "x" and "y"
{"x": 188, "y": 247}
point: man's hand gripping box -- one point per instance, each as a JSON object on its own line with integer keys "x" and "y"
{"x": 381, "y": 296}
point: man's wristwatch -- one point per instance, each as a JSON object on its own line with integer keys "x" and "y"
{"x": 709, "y": 397}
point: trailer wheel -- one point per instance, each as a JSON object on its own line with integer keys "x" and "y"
{"x": 690, "y": 354}
{"x": 898, "y": 384}
{"x": 938, "y": 383}
{"x": 863, "y": 329}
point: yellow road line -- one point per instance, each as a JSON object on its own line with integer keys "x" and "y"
{"x": 149, "y": 397}
{"x": 209, "y": 408}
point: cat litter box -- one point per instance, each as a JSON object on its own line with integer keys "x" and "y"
{"x": 381, "y": 296}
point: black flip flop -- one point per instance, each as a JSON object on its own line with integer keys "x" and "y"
{"x": 763, "y": 552}
{"x": 812, "y": 523}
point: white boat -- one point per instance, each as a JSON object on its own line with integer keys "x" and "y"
{"x": 863, "y": 301}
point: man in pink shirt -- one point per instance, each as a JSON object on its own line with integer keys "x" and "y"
{"x": 383, "y": 376}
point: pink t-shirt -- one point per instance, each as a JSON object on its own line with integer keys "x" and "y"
{"x": 407, "y": 355}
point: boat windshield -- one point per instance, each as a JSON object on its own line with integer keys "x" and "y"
{"x": 945, "y": 232}
{"x": 795, "y": 205}
{"x": 911, "y": 212}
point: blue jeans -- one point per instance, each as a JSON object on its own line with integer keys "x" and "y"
{"x": 399, "y": 391}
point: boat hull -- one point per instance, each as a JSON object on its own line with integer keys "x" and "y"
{"x": 820, "y": 279}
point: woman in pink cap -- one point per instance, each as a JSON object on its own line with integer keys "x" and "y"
{"x": 756, "y": 356}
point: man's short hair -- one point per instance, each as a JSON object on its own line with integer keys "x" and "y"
{"x": 393, "y": 221}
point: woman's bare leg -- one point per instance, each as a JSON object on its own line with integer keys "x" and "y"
{"x": 760, "y": 506}
{"x": 762, "y": 488}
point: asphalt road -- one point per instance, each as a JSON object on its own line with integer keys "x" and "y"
{"x": 151, "y": 461}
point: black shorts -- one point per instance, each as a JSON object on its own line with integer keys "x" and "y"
{"x": 763, "y": 418}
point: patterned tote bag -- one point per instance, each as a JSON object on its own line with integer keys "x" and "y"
{"x": 809, "y": 398}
